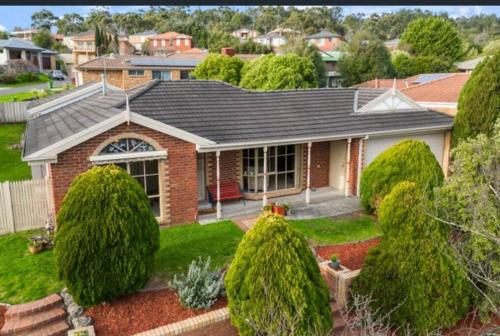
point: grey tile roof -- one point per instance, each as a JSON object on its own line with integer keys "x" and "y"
{"x": 227, "y": 114}
{"x": 367, "y": 95}
{"x": 321, "y": 34}
{"x": 14, "y": 43}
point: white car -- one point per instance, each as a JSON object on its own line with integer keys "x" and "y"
{"x": 57, "y": 75}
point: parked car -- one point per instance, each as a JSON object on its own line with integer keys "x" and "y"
{"x": 57, "y": 75}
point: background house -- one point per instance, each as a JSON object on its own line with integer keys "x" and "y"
{"x": 25, "y": 34}
{"x": 325, "y": 40}
{"x": 83, "y": 47}
{"x": 245, "y": 34}
{"x": 331, "y": 58}
{"x": 18, "y": 49}
{"x": 164, "y": 44}
{"x": 137, "y": 40}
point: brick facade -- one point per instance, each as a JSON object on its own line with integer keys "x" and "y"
{"x": 320, "y": 164}
{"x": 178, "y": 172}
{"x": 121, "y": 78}
{"x": 230, "y": 162}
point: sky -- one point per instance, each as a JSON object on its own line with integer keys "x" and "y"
{"x": 11, "y": 16}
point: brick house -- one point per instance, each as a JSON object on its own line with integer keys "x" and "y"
{"x": 130, "y": 71}
{"x": 84, "y": 48}
{"x": 179, "y": 137}
{"x": 164, "y": 44}
{"x": 325, "y": 40}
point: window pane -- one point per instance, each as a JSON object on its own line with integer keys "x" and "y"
{"x": 260, "y": 184}
{"x": 271, "y": 183}
{"x": 152, "y": 185}
{"x": 152, "y": 167}
{"x": 271, "y": 164}
{"x": 251, "y": 184}
{"x": 137, "y": 168}
{"x": 155, "y": 205}
{"x": 290, "y": 162}
{"x": 281, "y": 163}
{"x": 261, "y": 165}
{"x": 251, "y": 152}
{"x": 245, "y": 184}
{"x": 251, "y": 166}
{"x": 261, "y": 152}
{"x": 140, "y": 179}
{"x": 156, "y": 74}
{"x": 281, "y": 150}
{"x": 271, "y": 151}
{"x": 245, "y": 153}
{"x": 281, "y": 181}
{"x": 290, "y": 180}
{"x": 122, "y": 165}
{"x": 290, "y": 149}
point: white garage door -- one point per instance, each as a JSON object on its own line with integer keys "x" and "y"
{"x": 375, "y": 146}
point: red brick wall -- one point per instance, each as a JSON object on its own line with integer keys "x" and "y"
{"x": 229, "y": 166}
{"x": 320, "y": 164}
{"x": 353, "y": 167}
{"x": 180, "y": 202}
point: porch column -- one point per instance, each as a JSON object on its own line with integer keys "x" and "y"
{"x": 308, "y": 189}
{"x": 264, "y": 198}
{"x": 348, "y": 168}
{"x": 219, "y": 212}
{"x": 40, "y": 61}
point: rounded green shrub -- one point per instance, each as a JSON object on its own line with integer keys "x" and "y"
{"x": 412, "y": 274}
{"x": 409, "y": 160}
{"x": 274, "y": 285}
{"x": 106, "y": 236}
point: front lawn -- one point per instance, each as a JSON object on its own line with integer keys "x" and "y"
{"x": 11, "y": 166}
{"x": 25, "y": 277}
{"x": 180, "y": 245}
{"x": 28, "y": 95}
{"x": 41, "y": 79}
{"x": 327, "y": 231}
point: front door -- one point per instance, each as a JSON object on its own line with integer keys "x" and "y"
{"x": 201, "y": 176}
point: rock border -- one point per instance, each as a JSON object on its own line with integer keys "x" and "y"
{"x": 76, "y": 317}
{"x": 190, "y": 324}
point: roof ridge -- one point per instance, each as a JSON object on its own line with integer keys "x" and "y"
{"x": 140, "y": 90}
{"x": 451, "y": 74}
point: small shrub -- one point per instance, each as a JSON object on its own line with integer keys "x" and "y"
{"x": 200, "y": 287}
{"x": 9, "y": 77}
{"x": 107, "y": 236}
{"x": 410, "y": 160}
{"x": 25, "y": 77}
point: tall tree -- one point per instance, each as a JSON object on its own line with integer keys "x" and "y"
{"x": 479, "y": 101}
{"x": 70, "y": 23}
{"x": 98, "y": 16}
{"x": 43, "y": 19}
{"x": 3, "y": 35}
{"x": 43, "y": 38}
{"x": 302, "y": 48}
{"x": 220, "y": 67}
{"x": 433, "y": 36}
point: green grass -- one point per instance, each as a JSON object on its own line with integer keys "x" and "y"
{"x": 327, "y": 231}
{"x": 41, "y": 79}
{"x": 11, "y": 166}
{"x": 180, "y": 245}
{"x": 20, "y": 96}
{"x": 25, "y": 277}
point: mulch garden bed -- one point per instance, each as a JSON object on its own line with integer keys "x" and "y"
{"x": 141, "y": 312}
{"x": 351, "y": 255}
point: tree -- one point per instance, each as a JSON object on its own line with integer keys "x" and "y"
{"x": 469, "y": 203}
{"x": 251, "y": 47}
{"x": 364, "y": 61}
{"x": 219, "y": 40}
{"x": 3, "y": 35}
{"x": 98, "y": 17}
{"x": 272, "y": 72}
{"x": 412, "y": 274}
{"x": 43, "y": 38}
{"x": 406, "y": 65}
{"x": 70, "y": 24}
{"x": 492, "y": 48}
{"x": 43, "y": 19}
{"x": 220, "y": 67}
{"x": 302, "y": 48}
{"x": 409, "y": 160}
{"x": 479, "y": 101}
{"x": 282, "y": 295}
{"x": 107, "y": 236}
{"x": 433, "y": 36}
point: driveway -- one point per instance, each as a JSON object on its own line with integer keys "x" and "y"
{"x": 28, "y": 88}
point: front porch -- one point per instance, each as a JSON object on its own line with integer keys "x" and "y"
{"x": 324, "y": 202}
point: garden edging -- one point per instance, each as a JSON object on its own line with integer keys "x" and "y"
{"x": 190, "y": 324}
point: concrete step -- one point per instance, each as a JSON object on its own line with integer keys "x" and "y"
{"x": 32, "y": 322}
{"x": 20, "y": 310}
{"x": 56, "y": 328}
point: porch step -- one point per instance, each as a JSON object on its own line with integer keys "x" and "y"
{"x": 57, "y": 328}
{"x": 20, "y": 310}
{"x": 31, "y": 323}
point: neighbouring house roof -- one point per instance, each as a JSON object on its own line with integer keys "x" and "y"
{"x": 322, "y": 34}
{"x": 218, "y": 114}
{"x": 169, "y": 36}
{"x": 84, "y": 36}
{"x": 15, "y": 43}
{"x": 145, "y": 33}
{"x": 469, "y": 65}
{"x": 444, "y": 89}
{"x": 117, "y": 62}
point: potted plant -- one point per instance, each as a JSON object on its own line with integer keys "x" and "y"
{"x": 35, "y": 246}
{"x": 334, "y": 262}
{"x": 279, "y": 209}
{"x": 267, "y": 208}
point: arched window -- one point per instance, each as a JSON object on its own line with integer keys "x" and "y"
{"x": 141, "y": 160}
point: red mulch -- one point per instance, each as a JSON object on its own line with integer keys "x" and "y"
{"x": 470, "y": 325}
{"x": 142, "y": 311}
{"x": 3, "y": 310}
{"x": 351, "y": 255}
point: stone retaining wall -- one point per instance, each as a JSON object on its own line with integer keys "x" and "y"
{"x": 214, "y": 323}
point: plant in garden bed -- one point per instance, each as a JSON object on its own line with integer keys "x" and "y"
{"x": 200, "y": 287}
{"x": 334, "y": 262}
{"x": 274, "y": 285}
{"x": 107, "y": 236}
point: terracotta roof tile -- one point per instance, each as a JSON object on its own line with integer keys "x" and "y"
{"x": 445, "y": 89}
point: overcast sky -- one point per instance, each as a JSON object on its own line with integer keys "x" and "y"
{"x": 11, "y": 16}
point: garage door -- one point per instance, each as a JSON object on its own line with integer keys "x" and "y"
{"x": 375, "y": 146}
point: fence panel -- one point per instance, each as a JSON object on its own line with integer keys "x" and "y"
{"x": 24, "y": 205}
{"x": 13, "y": 112}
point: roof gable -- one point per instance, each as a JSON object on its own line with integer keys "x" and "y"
{"x": 390, "y": 101}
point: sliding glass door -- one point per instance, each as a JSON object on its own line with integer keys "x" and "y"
{"x": 281, "y": 168}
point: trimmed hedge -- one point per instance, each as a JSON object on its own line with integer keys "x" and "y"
{"x": 413, "y": 275}
{"x": 274, "y": 283}
{"x": 409, "y": 160}
{"x": 107, "y": 236}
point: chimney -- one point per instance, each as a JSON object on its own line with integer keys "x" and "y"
{"x": 228, "y": 51}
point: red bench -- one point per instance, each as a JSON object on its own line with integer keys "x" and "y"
{"x": 228, "y": 191}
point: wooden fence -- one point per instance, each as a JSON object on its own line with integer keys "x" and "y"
{"x": 13, "y": 112}
{"x": 24, "y": 205}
